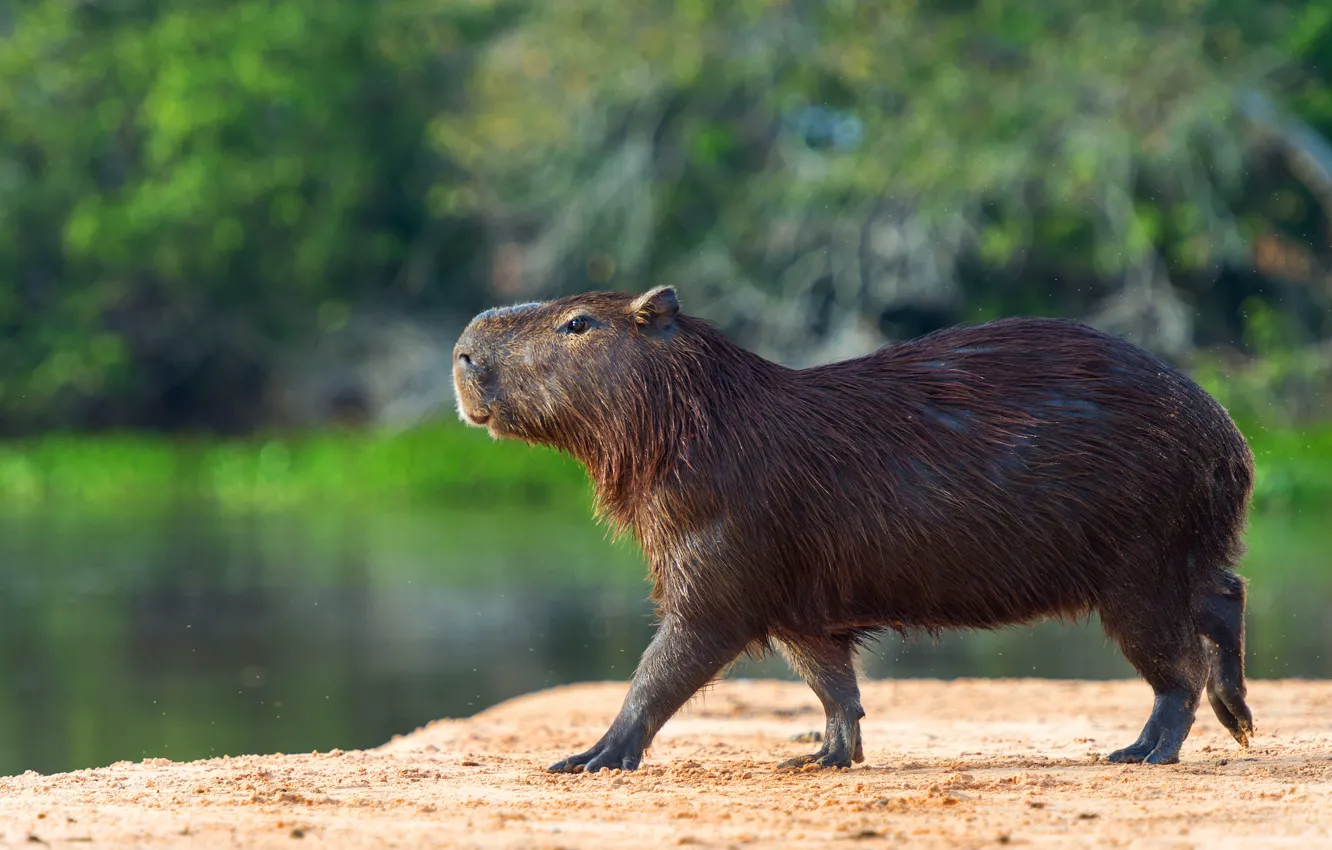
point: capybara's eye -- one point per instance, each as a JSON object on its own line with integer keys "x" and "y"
{"x": 576, "y": 325}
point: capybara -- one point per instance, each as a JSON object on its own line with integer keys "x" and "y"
{"x": 971, "y": 478}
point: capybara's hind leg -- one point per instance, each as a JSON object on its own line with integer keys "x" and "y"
{"x": 1171, "y": 659}
{"x": 826, "y": 663}
{"x": 1220, "y": 617}
{"x": 682, "y": 657}
{"x": 1238, "y": 724}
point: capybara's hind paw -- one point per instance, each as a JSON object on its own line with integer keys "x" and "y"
{"x": 1135, "y": 754}
{"x": 1234, "y": 715}
{"x": 820, "y": 759}
{"x": 1242, "y": 733}
{"x": 797, "y": 762}
{"x": 600, "y": 757}
{"x": 1161, "y": 757}
{"x": 1139, "y": 754}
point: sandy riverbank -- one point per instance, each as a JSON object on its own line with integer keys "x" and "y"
{"x": 949, "y": 764}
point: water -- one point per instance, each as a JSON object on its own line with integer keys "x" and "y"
{"x": 191, "y": 635}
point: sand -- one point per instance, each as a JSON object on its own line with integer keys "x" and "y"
{"x": 949, "y": 764}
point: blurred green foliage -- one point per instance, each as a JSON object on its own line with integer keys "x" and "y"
{"x": 796, "y": 164}
{"x": 446, "y": 466}
{"x": 1038, "y": 110}
{"x": 183, "y": 187}
{"x": 189, "y": 190}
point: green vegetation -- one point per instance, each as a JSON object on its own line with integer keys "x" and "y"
{"x": 442, "y": 466}
{"x": 190, "y": 192}
{"x": 445, "y": 464}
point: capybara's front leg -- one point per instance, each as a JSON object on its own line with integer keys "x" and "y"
{"x": 682, "y": 657}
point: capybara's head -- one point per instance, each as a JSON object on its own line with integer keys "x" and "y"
{"x": 559, "y": 371}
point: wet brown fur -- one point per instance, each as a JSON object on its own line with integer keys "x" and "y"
{"x": 971, "y": 478}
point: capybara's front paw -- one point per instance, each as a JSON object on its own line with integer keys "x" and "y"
{"x": 607, "y": 756}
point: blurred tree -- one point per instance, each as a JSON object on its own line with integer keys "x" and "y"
{"x": 185, "y": 186}
{"x": 188, "y": 191}
{"x": 836, "y": 172}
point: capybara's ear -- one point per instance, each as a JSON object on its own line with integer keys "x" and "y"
{"x": 655, "y": 309}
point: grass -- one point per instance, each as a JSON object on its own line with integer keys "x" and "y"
{"x": 445, "y": 464}
{"x": 1293, "y": 467}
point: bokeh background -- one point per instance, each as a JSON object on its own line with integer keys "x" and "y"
{"x": 238, "y": 240}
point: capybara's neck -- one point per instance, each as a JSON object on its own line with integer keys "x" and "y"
{"x": 688, "y": 401}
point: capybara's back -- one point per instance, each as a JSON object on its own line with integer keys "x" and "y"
{"x": 972, "y": 478}
{"x": 978, "y": 477}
